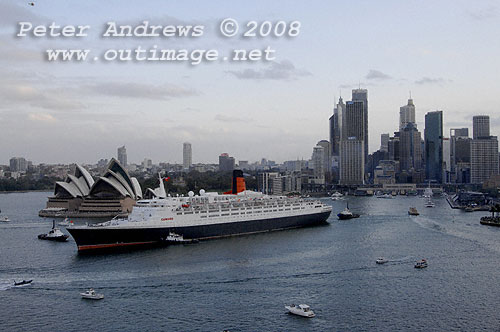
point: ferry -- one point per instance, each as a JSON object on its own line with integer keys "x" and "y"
{"x": 200, "y": 217}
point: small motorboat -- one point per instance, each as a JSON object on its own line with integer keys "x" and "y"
{"x": 65, "y": 222}
{"x": 421, "y": 264}
{"x": 337, "y": 196}
{"x": 430, "y": 203}
{"x": 300, "y": 310}
{"x": 386, "y": 196}
{"x": 381, "y": 260}
{"x": 54, "y": 234}
{"x": 22, "y": 283}
{"x": 413, "y": 211}
{"x": 347, "y": 214}
{"x": 92, "y": 295}
{"x": 4, "y": 219}
{"x": 176, "y": 238}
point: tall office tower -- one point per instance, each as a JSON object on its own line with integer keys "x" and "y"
{"x": 433, "y": 135}
{"x": 318, "y": 162}
{"x": 480, "y": 126}
{"x": 384, "y": 142}
{"x": 353, "y": 121}
{"x": 393, "y": 148}
{"x": 459, "y": 152}
{"x": 410, "y": 153}
{"x": 336, "y": 127}
{"x": 352, "y": 162}
{"x": 407, "y": 114}
{"x": 446, "y": 160}
{"x": 226, "y": 163}
{"x": 362, "y": 95}
{"x": 484, "y": 151}
{"x": 122, "y": 156}
{"x": 187, "y": 155}
{"x": 327, "y": 162}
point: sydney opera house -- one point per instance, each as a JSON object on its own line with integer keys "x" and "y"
{"x": 113, "y": 194}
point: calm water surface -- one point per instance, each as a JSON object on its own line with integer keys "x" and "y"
{"x": 243, "y": 283}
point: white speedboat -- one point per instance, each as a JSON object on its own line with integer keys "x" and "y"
{"x": 92, "y": 295}
{"x": 381, "y": 260}
{"x": 387, "y": 196}
{"x": 421, "y": 264}
{"x": 300, "y": 310}
{"x": 4, "y": 219}
{"x": 430, "y": 203}
{"x": 337, "y": 196}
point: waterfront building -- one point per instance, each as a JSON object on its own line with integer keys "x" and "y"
{"x": 226, "y": 163}
{"x": 480, "y": 126}
{"x": 361, "y": 95}
{"x": 433, "y": 134}
{"x": 459, "y": 151}
{"x": 484, "y": 159}
{"x": 187, "y": 155}
{"x": 122, "y": 156}
{"x": 407, "y": 114}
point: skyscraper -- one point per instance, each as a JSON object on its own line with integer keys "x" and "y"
{"x": 122, "y": 156}
{"x": 433, "y": 134}
{"x": 336, "y": 127}
{"x": 480, "y": 126}
{"x": 352, "y": 161}
{"x": 410, "y": 153}
{"x": 318, "y": 161}
{"x": 406, "y": 114}
{"x": 187, "y": 155}
{"x": 362, "y": 95}
{"x": 460, "y": 144}
{"x": 384, "y": 142}
{"x": 352, "y": 143}
{"x": 484, "y": 150}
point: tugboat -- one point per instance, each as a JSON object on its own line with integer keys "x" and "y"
{"x": 413, "y": 211}
{"x": 300, "y": 310}
{"x": 54, "y": 234}
{"x": 347, "y": 214}
{"x": 421, "y": 264}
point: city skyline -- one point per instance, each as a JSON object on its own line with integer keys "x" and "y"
{"x": 275, "y": 110}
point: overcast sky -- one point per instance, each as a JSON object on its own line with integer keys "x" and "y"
{"x": 446, "y": 52}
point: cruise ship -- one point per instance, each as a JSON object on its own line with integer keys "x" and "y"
{"x": 200, "y": 217}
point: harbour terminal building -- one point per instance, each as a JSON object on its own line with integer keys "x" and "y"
{"x": 112, "y": 194}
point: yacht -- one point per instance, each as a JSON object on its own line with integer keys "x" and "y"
{"x": 54, "y": 234}
{"x": 421, "y": 264}
{"x": 4, "y": 219}
{"x": 91, "y": 295}
{"x": 300, "y": 310}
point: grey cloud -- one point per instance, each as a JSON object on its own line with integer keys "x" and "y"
{"x": 284, "y": 70}
{"x": 140, "y": 90}
{"x": 484, "y": 13}
{"x": 377, "y": 75}
{"x": 429, "y": 80}
{"x": 225, "y": 118}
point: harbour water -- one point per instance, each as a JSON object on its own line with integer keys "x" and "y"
{"x": 243, "y": 283}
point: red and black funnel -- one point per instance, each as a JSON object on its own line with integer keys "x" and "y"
{"x": 238, "y": 183}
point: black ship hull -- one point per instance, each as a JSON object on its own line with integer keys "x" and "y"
{"x": 91, "y": 238}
